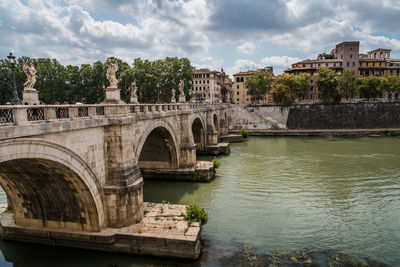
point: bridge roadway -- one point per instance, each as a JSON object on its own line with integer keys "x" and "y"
{"x": 73, "y": 173}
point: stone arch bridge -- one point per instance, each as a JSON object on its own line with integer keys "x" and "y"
{"x": 74, "y": 169}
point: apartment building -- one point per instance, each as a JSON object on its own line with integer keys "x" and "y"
{"x": 211, "y": 86}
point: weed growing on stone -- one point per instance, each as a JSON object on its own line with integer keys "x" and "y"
{"x": 216, "y": 162}
{"x": 244, "y": 133}
{"x": 196, "y": 214}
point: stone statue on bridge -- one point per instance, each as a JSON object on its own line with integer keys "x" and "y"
{"x": 113, "y": 95}
{"x": 173, "y": 97}
{"x": 29, "y": 95}
{"x": 133, "y": 89}
{"x": 30, "y": 72}
{"x": 110, "y": 75}
{"x": 182, "y": 98}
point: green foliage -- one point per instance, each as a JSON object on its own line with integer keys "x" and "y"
{"x": 196, "y": 214}
{"x": 369, "y": 87}
{"x": 327, "y": 86}
{"x": 347, "y": 84}
{"x": 390, "y": 133}
{"x": 167, "y": 73}
{"x": 258, "y": 85}
{"x": 390, "y": 84}
{"x": 301, "y": 85}
{"x": 216, "y": 162}
{"x": 285, "y": 89}
{"x": 86, "y": 83}
{"x": 244, "y": 133}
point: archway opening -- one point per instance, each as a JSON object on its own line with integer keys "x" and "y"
{"x": 215, "y": 120}
{"x": 198, "y": 134}
{"x": 158, "y": 151}
{"x": 45, "y": 193}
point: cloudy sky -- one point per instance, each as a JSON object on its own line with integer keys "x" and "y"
{"x": 236, "y": 35}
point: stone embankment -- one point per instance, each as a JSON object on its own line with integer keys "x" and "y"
{"x": 357, "y": 119}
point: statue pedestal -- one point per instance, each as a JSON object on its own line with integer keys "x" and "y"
{"x": 113, "y": 96}
{"x": 173, "y": 100}
{"x": 182, "y": 99}
{"x": 30, "y": 96}
{"x": 134, "y": 100}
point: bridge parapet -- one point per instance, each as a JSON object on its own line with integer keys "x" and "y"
{"x": 25, "y": 114}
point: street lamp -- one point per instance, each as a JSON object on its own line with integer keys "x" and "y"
{"x": 15, "y": 100}
{"x": 158, "y": 93}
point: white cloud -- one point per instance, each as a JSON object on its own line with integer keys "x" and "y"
{"x": 247, "y": 48}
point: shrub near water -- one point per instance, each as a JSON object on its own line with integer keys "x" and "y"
{"x": 244, "y": 133}
{"x": 216, "y": 162}
{"x": 196, "y": 214}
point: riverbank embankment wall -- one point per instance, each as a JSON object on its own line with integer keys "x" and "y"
{"x": 362, "y": 115}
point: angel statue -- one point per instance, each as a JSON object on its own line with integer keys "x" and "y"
{"x": 110, "y": 75}
{"x": 30, "y": 72}
{"x": 181, "y": 85}
{"x": 133, "y": 90}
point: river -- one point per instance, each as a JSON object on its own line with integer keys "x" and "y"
{"x": 275, "y": 193}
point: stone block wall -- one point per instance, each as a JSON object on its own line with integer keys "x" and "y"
{"x": 368, "y": 115}
{"x": 258, "y": 117}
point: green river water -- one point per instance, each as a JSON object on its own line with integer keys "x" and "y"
{"x": 274, "y": 194}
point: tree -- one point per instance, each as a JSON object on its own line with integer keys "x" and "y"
{"x": 258, "y": 85}
{"x": 391, "y": 85}
{"x": 327, "y": 86}
{"x": 166, "y": 72}
{"x": 347, "y": 84}
{"x": 302, "y": 85}
{"x": 369, "y": 87}
{"x": 284, "y": 91}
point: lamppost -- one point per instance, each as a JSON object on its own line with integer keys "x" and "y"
{"x": 15, "y": 100}
{"x": 158, "y": 93}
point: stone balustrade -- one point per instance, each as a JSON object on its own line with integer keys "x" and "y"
{"x": 24, "y": 114}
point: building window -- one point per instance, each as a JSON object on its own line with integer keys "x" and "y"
{"x": 247, "y": 99}
{"x": 237, "y": 86}
{"x": 348, "y": 64}
{"x": 351, "y": 55}
{"x": 237, "y": 99}
{"x": 208, "y": 75}
{"x": 196, "y": 81}
{"x": 242, "y": 79}
{"x": 391, "y": 72}
{"x": 196, "y": 88}
{"x": 319, "y": 64}
{"x": 238, "y": 79}
{"x": 237, "y": 93}
{"x": 354, "y": 63}
{"x": 341, "y": 56}
{"x": 208, "y": 81}
{"x": 373, "y": 64}
{"x": 360, "y": 64}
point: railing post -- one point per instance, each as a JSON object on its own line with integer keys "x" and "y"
{"x": 73, "y": 112}
{"x": 50, "y": 113}
{"x": 20, "y": 115}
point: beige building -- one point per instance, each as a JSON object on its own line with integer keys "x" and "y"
{"x": 346, "y": 56}
{"x": 240, "y": 95}
{"x": 212, "y": 86}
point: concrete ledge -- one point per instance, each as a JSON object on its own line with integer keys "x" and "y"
{"x": 320, "y": 132}
{"x": 163, "y": 232}
{"x": 203, "y": 172}
{"x": 232, "y": 138}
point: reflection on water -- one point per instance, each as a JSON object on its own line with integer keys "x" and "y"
{"x": 276, "y": 194}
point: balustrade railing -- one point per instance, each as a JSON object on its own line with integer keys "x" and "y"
{"x": 20, "y": 114}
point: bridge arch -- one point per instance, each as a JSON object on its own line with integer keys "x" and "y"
{"x": 50, "y": 186}
{"x": 199, "y": 132}
{"x": 158, "y": 147}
